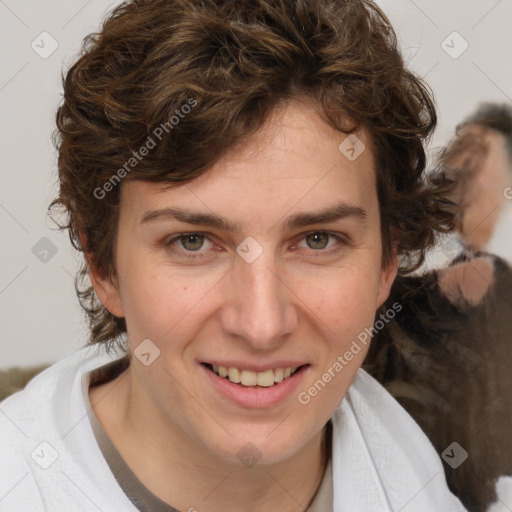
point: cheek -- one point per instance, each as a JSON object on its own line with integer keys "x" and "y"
{"x": 345, "y": 302}
{"x": 161, "y": 303}
{"x": 155, "y": 302}
{"x": 166, "y": 305}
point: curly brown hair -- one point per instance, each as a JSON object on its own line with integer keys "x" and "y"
{"x": 234, "y": 62}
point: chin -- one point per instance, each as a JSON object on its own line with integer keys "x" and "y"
{"x": 251, "y": 447}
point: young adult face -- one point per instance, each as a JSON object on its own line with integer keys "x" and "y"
{"x": 295, "y": 294}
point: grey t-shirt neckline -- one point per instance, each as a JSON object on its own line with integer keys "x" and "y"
{"x": 136, "y": 491}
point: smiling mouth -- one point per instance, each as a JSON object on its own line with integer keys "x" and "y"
{"x": 250, "y": 379}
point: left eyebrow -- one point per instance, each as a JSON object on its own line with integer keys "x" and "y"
{"x": 333, "y": 213}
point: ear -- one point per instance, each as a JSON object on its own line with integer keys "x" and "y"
{"x": 467, "y": 283}
{"x": 387, "y": 277}
{"x": 106, "y": 290}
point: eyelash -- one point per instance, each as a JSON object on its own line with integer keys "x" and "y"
{"x": 342, "y": 240}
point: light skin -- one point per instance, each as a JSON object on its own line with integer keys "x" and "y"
{"x": 306, "y": 297}
{"x": 481, "y": 192}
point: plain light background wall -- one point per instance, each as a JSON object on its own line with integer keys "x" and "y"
{"x": 40, "y": 320}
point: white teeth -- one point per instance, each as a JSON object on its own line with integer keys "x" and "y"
{"x": 278, "y": 374}
{"x": 234, "y": 375}
{"x": 249, "y": 378}
{"x": 266, "y": 378}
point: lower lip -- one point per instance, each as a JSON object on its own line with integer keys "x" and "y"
{"x": 256, "y": 397}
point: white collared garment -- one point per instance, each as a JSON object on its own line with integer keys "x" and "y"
{"x": 50, "y": 460}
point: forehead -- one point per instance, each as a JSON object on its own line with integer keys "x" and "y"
{"x": 295, "y": 130}
{"x": 479, "y": 140}
{"x": 480, "y": 136}
{"x": 468, "y": 147}
{"x": 473, "y": 129}
{"x": 295, "y": 157}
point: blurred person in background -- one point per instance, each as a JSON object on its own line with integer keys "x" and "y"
{"x": 479, "y": 160}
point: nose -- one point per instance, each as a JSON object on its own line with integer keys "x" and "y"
{"x": 259, "y": 306}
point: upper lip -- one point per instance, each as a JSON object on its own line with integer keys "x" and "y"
{"x": 256, "y": 367}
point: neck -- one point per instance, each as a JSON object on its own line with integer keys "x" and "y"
{"x": 168, "y": 461}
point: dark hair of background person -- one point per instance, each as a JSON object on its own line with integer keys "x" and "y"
{"x": 239, "y": 61}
